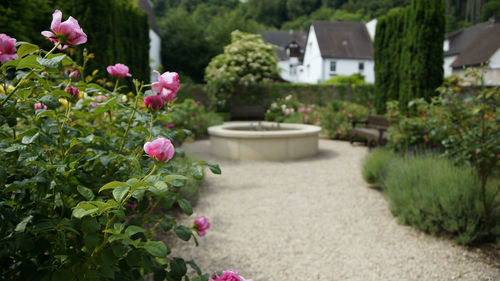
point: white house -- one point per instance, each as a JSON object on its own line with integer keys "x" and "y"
{"x": 289, "y": 50}
{"x": 337, "y": 48}
{"x": 472, "y": 47}
{"x": 154, "y": 37}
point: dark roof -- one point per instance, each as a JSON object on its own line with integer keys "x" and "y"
{"x": 282, "y": 39}
{"x": 459, "y": 40}
{"x": 482, "y": 42}
{"x": 343, "y": 39}
{"x": 145, "y": 6}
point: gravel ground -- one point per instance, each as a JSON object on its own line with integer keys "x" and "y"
{"x": 314, "y": 219}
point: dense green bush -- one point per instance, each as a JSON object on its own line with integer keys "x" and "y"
{"x": 436, "y": 196}
{"x": 376, "y": 166}
{"x": 117, "y": 30}
{"x": 87, "y": 173}
{"x": 354, "y": 79}
{"x": 192, "y": 115}
{"x": 265, "y": 94}
{"x": 336, "y": 118}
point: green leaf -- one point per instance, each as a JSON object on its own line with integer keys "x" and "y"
{"x": 51, "y": 63}
{"x": 120, "y": 192}
{"x": 84, "y": 209}
{"x": 214, "y": 168}
{"x": 157, "y": 248}
{"x": 29, "y": 62}
{"x": 185, "y": 206}
{"x": 85, "y": 192}
{"x": 182, "y": 232}
{"x": 178, "y": 267}
{"x": 30, "y": 139}
{"x": 113, "y": 185}
{"x": 197, "y": 172}
{"x": 168, "y": 202}
{"x": 159, "y": 189}
{"x": 203, "y": 277}
{"x": 50, "y": 101}
{"x": 47, "y": 113}
{"x": 194, "y": 266}
{"x": 133, "y": 229}
{"x": 26, "y": 49}
{"x": 21, "y": 227}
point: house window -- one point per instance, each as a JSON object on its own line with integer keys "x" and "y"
{"x": 361, "y": 66}
{"x": 333, "y": 66}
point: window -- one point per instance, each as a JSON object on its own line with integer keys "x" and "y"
{"x": 361, "y": 66}
{"x": 333, "y": 66}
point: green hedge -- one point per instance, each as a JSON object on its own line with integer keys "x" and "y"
{"x": 265, "y": 93}
{"x": 117, "y": 30}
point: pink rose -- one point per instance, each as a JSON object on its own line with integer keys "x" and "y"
{"x": 131, "y": 206}
{"x": 74, "y": 75}
{"x": 202, "y": 224}
{"x": 72, "y": 91}
{"x": 118, "y": 70}
{"x": 154, "y": 102}
{"x": 167, "y": 85}
{"x": 69, "y": 33}
{"x": 228, "y": 275}
{"x": 198, "y": 102}
{"x": 160, "y": 149}
{"x": 40, "y": 106}
{"x": 170, "y": 126}
{"x": 7, "y": 48}
{"x": 350, "y": 115}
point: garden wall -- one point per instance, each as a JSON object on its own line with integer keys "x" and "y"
{"x": 264, "y": 94}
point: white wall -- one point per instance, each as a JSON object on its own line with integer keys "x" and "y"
{"x": 371, "y": 26}
{"x": 495, "y": 60}
{"x": 349, "y": 67}
{"x": 448, "y": 71}
{"x": 154, "y": 53}
{"x": 289, "y": 69}
{"x": 312, "y": 66}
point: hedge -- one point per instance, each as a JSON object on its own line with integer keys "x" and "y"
{"x": 265, "y": 93}
{"x": 117, "y": 30}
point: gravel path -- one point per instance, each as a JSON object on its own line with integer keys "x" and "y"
{"x": 314, "y": 219}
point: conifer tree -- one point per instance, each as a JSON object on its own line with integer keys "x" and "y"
{"x": 421, "y": 67}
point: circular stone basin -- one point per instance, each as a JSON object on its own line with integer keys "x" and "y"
{"x": 263, "y": 140}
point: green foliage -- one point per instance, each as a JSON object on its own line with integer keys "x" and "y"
{"x": 192, "y": 115}
{"x": 388, "y": 43}
{"x": 354, "y": 79}
{"x": 421, "y": 61}
{"x": 116, "y": 30}
{"x": 490, "y": 9}
{"x": 336, "y": 118}
{"x": 376, "y": 166}
{"x": 434, "y": 195}
{"x": 246, "y": 61}
{"x": 78, "y": 189}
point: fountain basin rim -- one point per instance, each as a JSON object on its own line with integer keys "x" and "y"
{"x": 291, "y": 130}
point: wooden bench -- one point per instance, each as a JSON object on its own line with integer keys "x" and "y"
{"x": 375, "y": 129}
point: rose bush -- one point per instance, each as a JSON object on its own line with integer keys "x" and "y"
{"x": 81, "y": 199}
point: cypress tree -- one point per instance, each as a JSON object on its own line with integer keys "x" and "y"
{"x": 389, "y": 39}
{"x": 422, "y": 52}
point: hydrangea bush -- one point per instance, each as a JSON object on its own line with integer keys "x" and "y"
{"x": 86, "y": 172}
{"x": 246, "y": 61}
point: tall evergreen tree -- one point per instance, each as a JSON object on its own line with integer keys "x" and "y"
{"x": 422, "y": 52}
{"x": 389, "y": 39}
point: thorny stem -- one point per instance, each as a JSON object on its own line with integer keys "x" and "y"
{"x": 138, "y": 91}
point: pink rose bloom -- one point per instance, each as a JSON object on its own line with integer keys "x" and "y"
{"x": 228, "y": 275}
{"x": 40, "y": 106}
{"x": 198, "y": 102}
{"x": 350, "y": 115}
{"x": 69, "y": 33}
{"x": 118, "y": 70}
{"x": 170, "y": 126}
{"x": 72, "y": 91}
{"x": 154, "y": 102}
{"x": 167, "y": 85}
{"x": 160, "y": 149}
{"x": 131, "y": 206}
{"x": 74, "y": 75}
{"x": 202, "y": 224}
{"x": 7, "y": 48}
